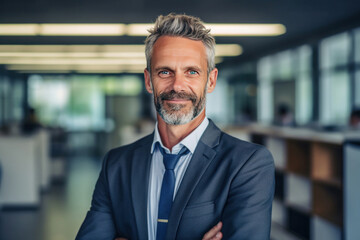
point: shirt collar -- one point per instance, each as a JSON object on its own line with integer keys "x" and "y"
{"x": 190, "y": 141}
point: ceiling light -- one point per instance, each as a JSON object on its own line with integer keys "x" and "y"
{"x": 77, "y": 68}
{"x": 82, "y": 29}
{"x": 71, "y": 61}
{"x": 49, "y": 54}
{"x": 73, "y": 54}
{"x": 97, "y": 58}
{"x": 88, "y": 51}
{"x": 217, "y": 29}
{"x": 246, "y": 29}
{"x": 28, "y": 67}
{"x": 74, "y": 48}
{"x": 18, "y": 29}
{"x": 123, "y": 54}
{"x": 110, "y": 71}
{"x": 136, "y": 29}
{"x": 228, "y": 50}
{"x": 45, "y": 71}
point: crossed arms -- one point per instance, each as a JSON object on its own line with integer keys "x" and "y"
{"x": 243, "y": 205}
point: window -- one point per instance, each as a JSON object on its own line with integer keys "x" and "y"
{"x": 335, "y": 100}
{"x": 357, "y": 89}
{"x": 77, "y": 102}
{"x": 304, "y": 85}
{"x": 265, "y": 90}
{"x": 357, "y": 46}
{"x": 285, "y": 79}
{"x": 357, "y": 66}
{"x": 335, "y": 51}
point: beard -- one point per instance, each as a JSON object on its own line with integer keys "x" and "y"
{"x": 176, "y": 113}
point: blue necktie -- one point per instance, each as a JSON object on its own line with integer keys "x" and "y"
{"x": 167, "y": 190}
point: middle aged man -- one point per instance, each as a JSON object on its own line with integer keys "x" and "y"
{"x": 187, "y": 180}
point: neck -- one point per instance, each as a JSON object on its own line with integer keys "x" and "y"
{"x": 173, "y": 134}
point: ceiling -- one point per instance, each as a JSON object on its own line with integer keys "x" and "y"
{"x": 305, "y": 20}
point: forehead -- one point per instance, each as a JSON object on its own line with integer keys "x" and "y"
{"x": 168, "y": 48}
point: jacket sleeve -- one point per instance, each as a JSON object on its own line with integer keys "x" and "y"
{"x": 99, "y": 223}
{"x": 247, "y": 213}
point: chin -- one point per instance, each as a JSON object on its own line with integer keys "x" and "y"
{"x": 177, "y": 118}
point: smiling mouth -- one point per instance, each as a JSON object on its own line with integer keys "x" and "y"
{"x": 173, "y": 97}
{"x": 177, "y": 100}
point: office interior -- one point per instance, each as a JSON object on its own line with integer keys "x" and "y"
{"x": 71, "y": 88}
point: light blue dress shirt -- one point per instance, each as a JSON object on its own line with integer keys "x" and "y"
{"x": 157, "y": 171}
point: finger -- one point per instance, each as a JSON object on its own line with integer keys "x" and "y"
{"x": 218, "y": 236}
{"x": 213, "y": 232}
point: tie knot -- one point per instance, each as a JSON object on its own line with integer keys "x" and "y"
{"x": 170, "y": 160}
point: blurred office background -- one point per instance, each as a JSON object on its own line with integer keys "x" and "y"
{"x": 70, "y": 91}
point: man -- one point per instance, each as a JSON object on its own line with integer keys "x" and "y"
{"x": 220, "y": 186}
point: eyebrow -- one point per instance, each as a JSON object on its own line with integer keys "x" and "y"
{"x": 163, "y": 68}
{"x": 196, "y": 68}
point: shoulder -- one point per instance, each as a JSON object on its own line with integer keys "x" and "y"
{"x": 243, "y": 155}
{"x": 222, "y": 142}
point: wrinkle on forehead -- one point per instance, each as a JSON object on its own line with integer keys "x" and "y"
{"x": 181, "y": 51}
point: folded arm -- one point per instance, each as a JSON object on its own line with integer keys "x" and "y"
{"x": 247, "y": 214}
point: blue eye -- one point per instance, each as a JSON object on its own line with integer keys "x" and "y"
{"x": 192, "y": 72}
{"x": 164, "y": 72}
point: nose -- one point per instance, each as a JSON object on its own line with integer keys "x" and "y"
{"x": 178, "y": 83}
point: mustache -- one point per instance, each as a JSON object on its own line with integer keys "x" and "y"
{"x": 178, "y": 95}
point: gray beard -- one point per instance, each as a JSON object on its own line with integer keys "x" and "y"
{"x": 173, "y": 115}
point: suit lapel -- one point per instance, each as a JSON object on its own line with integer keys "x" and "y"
{"x": 201, "y": 159}
{"x": 140, "y": 169}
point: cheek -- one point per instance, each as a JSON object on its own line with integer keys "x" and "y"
{"x": 201, "y": 89}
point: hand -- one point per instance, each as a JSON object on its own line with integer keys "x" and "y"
{"x": 120, "y": 239}
{"x": 214, "y": 233}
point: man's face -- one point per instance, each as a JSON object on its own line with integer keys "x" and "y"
{"x": 179, "y": 79}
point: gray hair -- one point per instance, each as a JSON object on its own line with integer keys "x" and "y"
{"x": 181, "y": 25}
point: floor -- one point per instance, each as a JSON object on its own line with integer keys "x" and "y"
{"x": 64, "y": 207}
{"x": 62, "y": 210}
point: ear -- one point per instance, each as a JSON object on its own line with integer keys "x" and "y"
{"x": 212, "y": 80}
{"x": 147, "y": 78}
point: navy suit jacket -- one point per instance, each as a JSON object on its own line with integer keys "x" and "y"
{"x": 227, "y": 180}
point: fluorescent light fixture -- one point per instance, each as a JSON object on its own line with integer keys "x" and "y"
{"x": 124, "y": 48}
{"x": 19, "y": 67}
{"x": 93, "y": 51}
{"x": 109, "y": 67}
{"x": 138, "y": 29}
{"x": 219, "y": 29}
{"x": 228, "y": 50}
{"x": 52, "y": 29}
{"x": 18, "y": 29}
{"x": 82, "y": 29}
{"x": 71, "y": 61}
{"x": 90, "y": 58}
{"x": 48, "y": 54}
{"x": 110, "y": 71}
{"x": 246, "y": 29}
{"x": 135, "y": 29}
{"x": 45, "y": 71}
{"x": 77, "y": 68}
{"x": 123, "y": 54}
{"x": 73, "y": 54}
{"x": 74, "y": 48}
